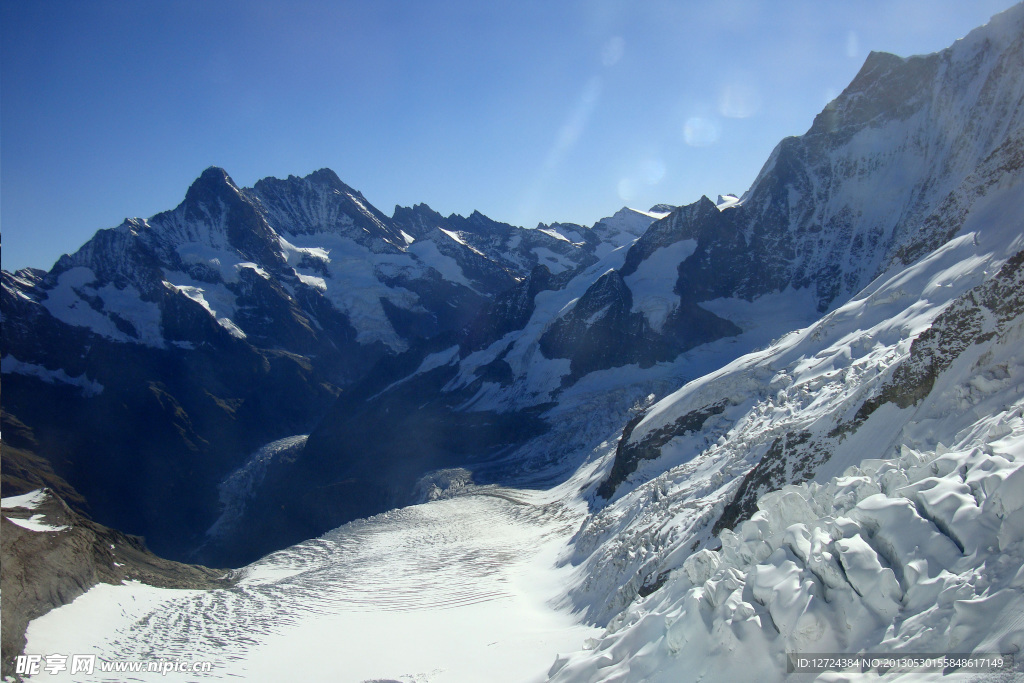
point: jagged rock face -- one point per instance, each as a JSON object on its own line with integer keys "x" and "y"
{"x": 511, "y": 310}
{"x": 833, "y": 208}
{"x": 594, "y": 331}
{"x": 214, "y": 215}
{"x": 327, "y": 259}
{"x": 602, "y": 332}
{"x": 498, "y": 250}
{"x": 629, "y": 454}
{"x": 701, "y": 221}
{"x": 321, "y": 204}
{"x": 417, "y": 220}
{"x": 974, "y": 318}
{"x": 829, "y": 211}
{"x": 911, "y": 152}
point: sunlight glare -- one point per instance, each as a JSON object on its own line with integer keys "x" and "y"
{"x": 700, "y": 132}
{"x": 738, "y": 101}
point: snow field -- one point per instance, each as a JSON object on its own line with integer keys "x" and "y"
{"x": 454, "y": 590}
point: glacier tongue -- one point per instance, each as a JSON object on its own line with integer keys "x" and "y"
{"x": 239, "y": 487}
{"x": 454, "y": 590}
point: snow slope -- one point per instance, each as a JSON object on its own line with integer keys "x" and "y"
{"x": 919, "y": 550}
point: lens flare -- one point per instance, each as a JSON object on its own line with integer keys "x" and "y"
{"x": 852, "y": 45}
{"x": 738, "y": 101}
{"x": 700, "y": 132}
{"x": 652, "y": 171}
{"x": 627, "y": 189}
{"x": 613, "y": 50}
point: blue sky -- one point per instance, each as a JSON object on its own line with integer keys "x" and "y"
{"x": 526, "y": 111}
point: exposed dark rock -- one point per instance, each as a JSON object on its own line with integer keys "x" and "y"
{"x": 322, "y": 203}
{"x": 975, "y": 317}
{"x": 628, "y": 455}
{"x": 366, "y": 457}
{"x": 168, "y": 423}
{"x": 652, "y": 583}
{"x": 511, "y": 310}
{"x": 791, "y": 459}
{"x": 41, "y": 570}
{"x": 602, "y": 331}
{"x": 489, "y": 252}
{"x": 23, "y": 470}
{"x": 662, "y": 208}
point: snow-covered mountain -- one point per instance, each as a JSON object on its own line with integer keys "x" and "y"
{"x": 784, "y": 422}
{"x": 174, "y": 347}
{"x": 300, "y": 243}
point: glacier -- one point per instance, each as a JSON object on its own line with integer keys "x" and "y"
{"x": 843, "y": 472}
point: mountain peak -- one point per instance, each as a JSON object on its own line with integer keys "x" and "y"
{"x": 212, "y": 182}
{"x": 215, "y": 173}
{"x": 1002, "y": 29}
{"x": 321, "y": 203}
{"x": 329, "y": 178}
{"x": 420, "y": 209}
{"x": 324, "y": 174}
{"x": 320, "y": 179}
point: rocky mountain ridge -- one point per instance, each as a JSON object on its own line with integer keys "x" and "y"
{"x": 178, "y": 345}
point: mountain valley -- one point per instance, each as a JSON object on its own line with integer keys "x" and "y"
{"x": 429, "y": 448}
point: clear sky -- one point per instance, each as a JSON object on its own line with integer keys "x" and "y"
{"x": 527, "y": 111}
